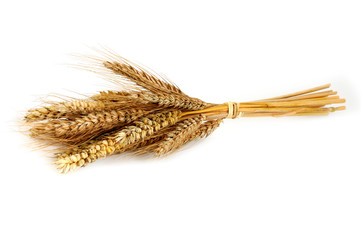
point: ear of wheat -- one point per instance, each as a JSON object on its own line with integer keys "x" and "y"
{"x": 150, "y": 115}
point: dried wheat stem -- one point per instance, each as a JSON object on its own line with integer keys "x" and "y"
{"x": 306, "y": 102}
{"x": 291, "y": 109}
{"x": 300, "y": 92}
{"x": 285, "y": 114}
{"x": 306, "y": 106}
{"x": 307, "y": 96}
{"x": 296, "y": 103}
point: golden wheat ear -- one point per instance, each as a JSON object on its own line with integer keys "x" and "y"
{"x": 138, "y": 82}
{"x": 142, "y": 77}
{"x": 149, "y": 115}
{"x": 125, "y": 73}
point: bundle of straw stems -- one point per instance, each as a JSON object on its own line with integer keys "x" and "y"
{"x": 148, "y": 115}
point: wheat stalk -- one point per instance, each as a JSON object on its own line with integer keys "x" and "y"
{"x": 150, "y": 115}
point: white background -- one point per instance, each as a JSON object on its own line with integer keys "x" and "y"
{"x": 264, "y": 178}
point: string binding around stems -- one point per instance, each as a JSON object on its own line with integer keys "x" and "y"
{"x": 233, "y": 110}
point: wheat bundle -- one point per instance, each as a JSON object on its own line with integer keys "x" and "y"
{"x": 150, "y": 115}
